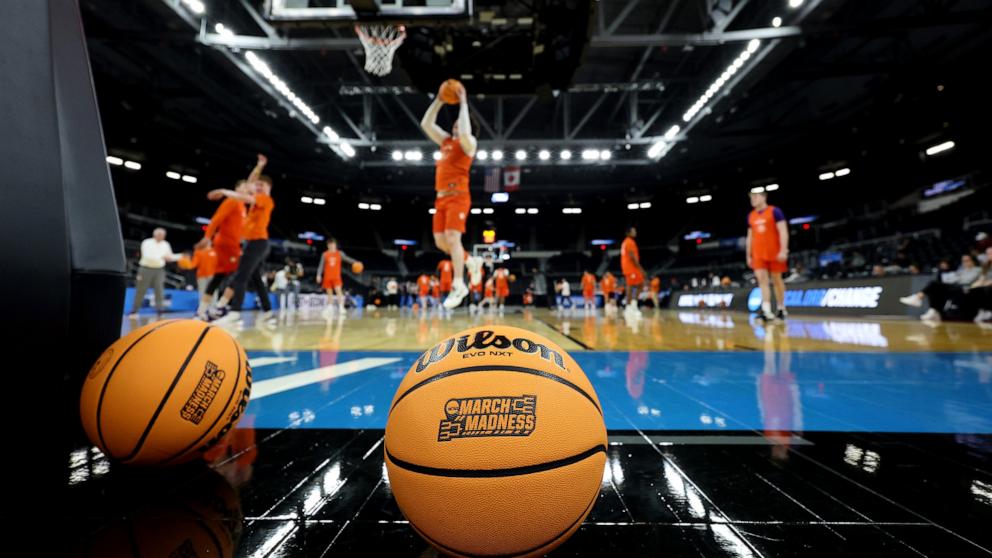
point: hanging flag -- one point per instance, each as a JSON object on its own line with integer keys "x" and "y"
{"x": 492, "y": 179}
{"x": 511, "y": 179}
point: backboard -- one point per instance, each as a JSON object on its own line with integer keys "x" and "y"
{"x": 350, "y": 11}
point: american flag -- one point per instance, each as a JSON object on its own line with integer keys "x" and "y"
{"x": 492, "y": 180}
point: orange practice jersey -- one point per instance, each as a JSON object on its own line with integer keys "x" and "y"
{"x": 452, "y": 168}
{"x": 628, "y": 252}
{"x": 445, "y": 269}
{"x": 608, "y": 283}
{"x": 332, "y": 264}
{"x": 489, "y": 289}
{"x": 655, "y": 285}
{"x": 227, "y": 223}
{"x": 257, "y": 223}
{"x": 502, "y": 279}
{"x": 765, "y": 243}
{"x": 205, "y": 262}
{"x": 588, "y": 282}
{"x": 423, "y": 285}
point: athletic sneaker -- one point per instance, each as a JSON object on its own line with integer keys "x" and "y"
{"x": 931, "y": 315}
{"x": 228, "y": 318}
{"x": 983, "y": 316}
{"x": 912, "y": 300}
{"x": 458, "y": 293}
{"x": 216, "y": 313}
{"x": 766, "y": 317}
{"x": 781, "y": 315}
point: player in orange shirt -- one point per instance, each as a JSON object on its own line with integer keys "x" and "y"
{"x": 608, "y": 285}
{"x": 204, "y": 260}
{"x": 588, "y": 291}
{"x": 489, "y": 292}
{"x": 256, "y": 235}
{"x": 767, "y": 248}
{"x": 423, "y": 288}
{"x": 451, "y": 184}
{"x": 329, "y": 274}
{"x": 633, "y": 273}
{"x": 224, "y": 234}
{"x": 502, "y": 280}
{"x": 435, "y": 291}
{"x": 655, "y": 289}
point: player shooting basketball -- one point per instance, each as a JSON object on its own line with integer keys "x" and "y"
{"x": 451, "y": 184}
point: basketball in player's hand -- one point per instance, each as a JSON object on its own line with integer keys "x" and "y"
{"x": 450, "y": 90}
{"x": 184, "y": 262}
{"x": 357, "y": 267}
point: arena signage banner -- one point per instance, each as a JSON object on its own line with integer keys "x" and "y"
{"x": 844, "y": 297}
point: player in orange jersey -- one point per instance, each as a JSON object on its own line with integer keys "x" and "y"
{"x": 608, "y": 285}
{"x": 224, "y": 234}
{"x": 435, "y": 291}
{"x": 451, "y": 184}
{"x": 655, "y": 289}
{"x": 588, "y": 291}
{"x": 258, "y": 196}
{"x": 489, "y": 294}
{"x": 423, "y": 290}
{"x": 633, "y": 272}
{"x": 445, "y": 270}
{"x": 767, "y": 249}
{"x": 502, "y": 280}
{"x": 329, "y": 274}
{"x": 205, "y": 262}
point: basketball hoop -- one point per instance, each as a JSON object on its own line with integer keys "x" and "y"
{"x": 380, "y": 42}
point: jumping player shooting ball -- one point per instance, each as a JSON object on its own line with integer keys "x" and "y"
{"x": 451, "y": 185}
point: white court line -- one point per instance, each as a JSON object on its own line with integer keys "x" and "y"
{"x": 265, "y": 388}
{"x": 265, "y": 361}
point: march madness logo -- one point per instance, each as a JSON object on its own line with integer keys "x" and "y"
{"x": 206, "y": 390}
{"x": 497, "y": 415}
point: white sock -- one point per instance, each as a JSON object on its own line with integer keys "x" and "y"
{"x": 766, "y": 307}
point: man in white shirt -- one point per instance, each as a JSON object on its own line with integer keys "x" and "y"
{"x": 155, "y": 253}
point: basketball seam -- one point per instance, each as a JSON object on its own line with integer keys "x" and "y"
{"x": 489, "y": 473}
{"x": 237, "y": 380}
{"x": 165, "y": 398}
{"x": 497, "y": 368}
{"x": 103, "y": 390}
{"x": 554, "y": 539}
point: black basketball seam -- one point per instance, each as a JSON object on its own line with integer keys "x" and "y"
{"x": 237, "y": 380}
{"x": 497, "y": 368}
{"x": 168, "y": 394}
{"x": 551, "y": 541}
{"x": 106, "y": 382}
{"x": 489, "y": 473}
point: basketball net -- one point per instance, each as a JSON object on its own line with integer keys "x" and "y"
{"x": 380, "y": 42}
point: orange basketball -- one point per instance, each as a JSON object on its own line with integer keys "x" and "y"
{"x": 512, "y": 277}
{"x": 357, "y": 267}
{"x": 165, "y": 393}
{"x": 495, "y": 444}
{"x": 450, "y": 90}
{"x": 185, "y": 262}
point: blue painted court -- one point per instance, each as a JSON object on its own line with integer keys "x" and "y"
{"x": 767, "y": 392}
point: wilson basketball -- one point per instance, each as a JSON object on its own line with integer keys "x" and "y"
{"x": 450, "y": 90}
{"x": 495, "y": 444}
{"x": 185, "y": 262}
{"x": 357, "y": 267}
{"x": 165, "y": 393}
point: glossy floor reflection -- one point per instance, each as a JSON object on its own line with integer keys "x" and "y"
{"x": 812, "y": 438}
